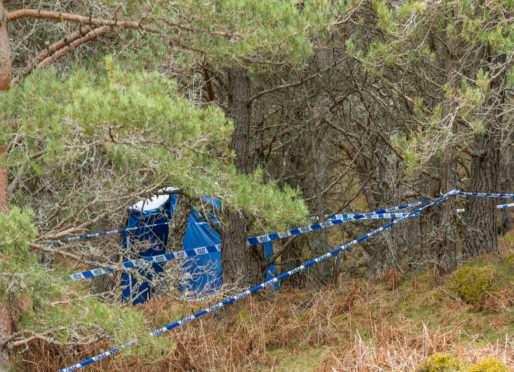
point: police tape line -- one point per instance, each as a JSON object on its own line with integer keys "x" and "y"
{"x": 337, "y": 216}
{"x": 217, "y": 248}
{"x": 256, "y": 288}
{"x": 487, "y": 194}
{"x": 252, "y": 241}
{"x": 501, "y": 206}
{"x": 392, "y": 209}
{"x": 135, "y": 228}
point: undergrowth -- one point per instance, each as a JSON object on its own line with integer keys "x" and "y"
{"x": 56, "y": 321}
{"x": 358, "y": 325}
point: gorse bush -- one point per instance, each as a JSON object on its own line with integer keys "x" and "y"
{"x": 473, "y": 284}
{"x": 440, "y": 362}
{"x": 489, "y": 365}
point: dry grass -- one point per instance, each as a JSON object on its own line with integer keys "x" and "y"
{"x": 391, "y": 324}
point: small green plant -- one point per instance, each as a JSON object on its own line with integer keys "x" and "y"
{"x": 440, "y": 362}
{"x": 509, "y": 261}
{"x": 489, "y": 365}
{"x": 473, "y": 283}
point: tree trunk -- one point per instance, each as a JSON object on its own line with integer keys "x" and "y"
{"x": 445, "y": 246}
{"x": 507, "y": 180}
{"x": 326, "y": 271}
{"x": 240, "y": 263}
{"x": 429, "y": 221}
{"x": 240, "y": 113}
{"x": 480, "y": 235}
{"x": 5, "y": 332}
{"x": 5, "y": 82}
{"x": 389, "y": 247}
{"x": 480, "y": 231}
{"x": 178, "y": 223}
{"x": 5, "y": 50}
{"x": 291, "y": 258}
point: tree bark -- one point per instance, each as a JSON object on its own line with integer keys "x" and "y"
{"x": 480, "y": 230}
{"x": 5, "y": 50}
{"x": 178, "y": 223}
{"x": 5, "y": 332}
{"x": 429, "y": 221}
{"x": 240, "y": 263}
{"x": 5, "y": 83}
{"x": 507, "y": 180}
{"x": 444, "y": 247}
{"x": 326, "y": 271}
{"x": 388, "y": 249}
{"x": 76, "y": 18}
{"x": 480, "y": 235}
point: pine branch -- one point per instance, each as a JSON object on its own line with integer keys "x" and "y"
{"x": 77, "y": 18}
{"x": 97, "y": 32}
{"x": 52, "y": 49}
{"x": 54, "y": 53}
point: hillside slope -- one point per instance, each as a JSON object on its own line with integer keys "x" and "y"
{"x": 391, "y": 323}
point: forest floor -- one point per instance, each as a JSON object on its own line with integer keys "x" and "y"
{"x": 389, "y": 324}
{"x": 393, "y": 323}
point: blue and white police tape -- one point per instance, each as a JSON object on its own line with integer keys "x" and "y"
{"x": 510, "y": 205}
{"x": 217, "y": 248}
{"x": 337, "y": 216}
{"x": 341, "y": 218}
{"x": 256, "y": 288}
{"x": 333, "y": 222}
{"x": 112, "y": 232}
{"x": 93, "y": 235}
{"x": 491, "y": 195}
{"x": 392, "y": 209}
{"x": 501, "y": 206}
{"x": 148, "y": 260}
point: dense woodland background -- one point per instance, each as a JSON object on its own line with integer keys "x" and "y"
{"x": 281, "y": 110}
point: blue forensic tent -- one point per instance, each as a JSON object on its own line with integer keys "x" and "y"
{"x": 271, "y": 271}
{"x": 200, "y": 275}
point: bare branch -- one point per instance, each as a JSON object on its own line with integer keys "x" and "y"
{"x": 77, "y": 18}
{"x": 49, "y": 56}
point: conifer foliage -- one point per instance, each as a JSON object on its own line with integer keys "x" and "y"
{"x": 280, "y": 109}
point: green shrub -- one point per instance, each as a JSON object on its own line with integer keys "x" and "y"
{"x": 489, "y": 365}
{"x": 509, "y": 261}
{"x": 440, "y": 362}
{"x": 38, "y": 287}
{"x": 473, "y": 283}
